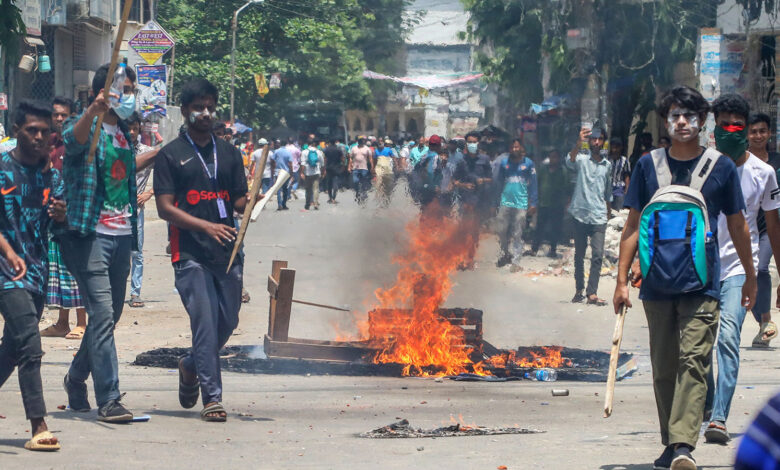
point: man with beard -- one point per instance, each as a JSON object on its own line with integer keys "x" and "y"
{"x": 199, "y": 182}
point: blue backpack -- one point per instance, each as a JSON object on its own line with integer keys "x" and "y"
{"x": 675, "y": 239}
{"x": 313, "y": 157}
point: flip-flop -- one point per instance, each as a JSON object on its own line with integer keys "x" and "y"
{"x": 53, "y": 332}
{"x": 598, "y": 302}
{"x": 76, "y": 333}
{"x": 35, "y": 443}
{"x": 215, "y": 408}
{"x": 770, "y": 329}
{"x": 188, "y": 393}
{"x": 136, "y": 302}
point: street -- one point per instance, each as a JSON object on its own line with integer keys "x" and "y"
{"x": 342, "y": 253}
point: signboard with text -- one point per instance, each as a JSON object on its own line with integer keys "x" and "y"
{"x": 152, "y": 89}
{"x": 151, "y": 42}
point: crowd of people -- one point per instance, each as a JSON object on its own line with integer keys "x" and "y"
{"x": 701, "y": 228}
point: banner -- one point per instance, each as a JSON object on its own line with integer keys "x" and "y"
{"x": 151, "y": 42}
{"x": 152, "y": 89}
{"x": 262, "y": 88}
{"x": 276, "y": 80}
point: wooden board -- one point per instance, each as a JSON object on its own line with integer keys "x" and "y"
{"x": 296, "y": 348}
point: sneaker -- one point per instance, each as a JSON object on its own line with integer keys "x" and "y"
{"x": 77, "y": 395}
{"x": 578, "y": 298}
{"x": 114, "y": 412}
{"x": 503, "y": 261}
{"x": 683, "y": 460}
{"x": 665, "y": 460}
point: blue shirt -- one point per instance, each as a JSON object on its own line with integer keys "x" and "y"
{"x": 417, "y": 154}
{"x": 385, "y": 152}
{"x": 592, "y": 190}
{"x": 722, "y": 192}
{"x": 24, "y": 220}
{"x": 283, "y": 159}
{"x": 517, "y": 181}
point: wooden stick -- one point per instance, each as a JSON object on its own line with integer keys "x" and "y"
{"x": 614, "y": 355}
{"x": 331, "y": 307}
{"x": 256, "y": 184}
{"x": 109, "y": 78}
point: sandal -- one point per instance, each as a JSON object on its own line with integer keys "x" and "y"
{"x": 188, "y": 393}
{"x": 245, "y": 296}
{"x": 53, "y": 332}
{"x": 35, "y": 443}
{"x": 767, "y": 333}
{"x": 76, "y": 333}
{"x": 716, "y": 433}
{"x": 214, "y": 408}
{"x": 136, "y": 302}
{"x": 596, "y": 301}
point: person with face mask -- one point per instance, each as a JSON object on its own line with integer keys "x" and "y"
{"x": 682, "y": 326}
{"x": 759, "y": 190}
{"x": 590, "y": 209}
{"x": 101, "y": 232}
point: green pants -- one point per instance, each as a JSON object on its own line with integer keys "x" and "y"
{"x": 682, "y": 332}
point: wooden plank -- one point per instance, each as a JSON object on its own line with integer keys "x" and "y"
{"x": 313, "y": 350}
{"x": 284, "y": 298}
{"x": 276, "y": 267}
{"x": 273, "y": 287}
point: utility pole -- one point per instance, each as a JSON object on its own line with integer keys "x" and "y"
{"x": 234, "y": 27}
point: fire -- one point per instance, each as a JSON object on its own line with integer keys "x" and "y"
{"x": 546, "y": 356}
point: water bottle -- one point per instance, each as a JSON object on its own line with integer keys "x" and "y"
{"x": 542, "y": 375}
{"x": 118, "y": 85}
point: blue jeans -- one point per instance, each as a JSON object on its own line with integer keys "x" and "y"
{"x": 764, "y": 297}
{"x": 361, "y": 181}
{"x": 283, "y": 194}
{"x": 100, "y": 264}
{"x": 137, "y": 260}
{"x": 296, "y": 177}
{"x": 265, "y": 184}
{"x": 732, "y": 315}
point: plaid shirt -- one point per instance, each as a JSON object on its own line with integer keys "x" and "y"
{"x": 84, "y": 186}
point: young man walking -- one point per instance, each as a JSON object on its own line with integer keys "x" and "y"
{"x": 334, "y": 165}
{"x": 361, "y": 165}
{"x": 621, "y": 172}
{"x": 282, "y": 159}
{"x": 682, "y": 322}
{"x": 473, "y": 181}
{"x": 590, "y": 209}
{"x": 553, "y": 196}
{"x": 518, "y": 199}
{"x": 100, "y": 234}
{"x": 758, "y": 138}
{"x": 312, "y": 169}
{"x": 199, "y": 181}
{"x": 760, "y": 191}
{"x": 30, "y": 197}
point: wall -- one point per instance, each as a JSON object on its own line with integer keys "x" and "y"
{"x": 731, "y": 21}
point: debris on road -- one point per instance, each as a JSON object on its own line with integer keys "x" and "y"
{"x": 402, "y": 429}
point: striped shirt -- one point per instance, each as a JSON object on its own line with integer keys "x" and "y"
{"x": 760, "y": 447}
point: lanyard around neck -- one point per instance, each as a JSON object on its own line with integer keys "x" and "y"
{"x": 213, "y": 179}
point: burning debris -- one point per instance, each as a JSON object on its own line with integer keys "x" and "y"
{"x": 402, "y": 429}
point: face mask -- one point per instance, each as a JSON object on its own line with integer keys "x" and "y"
{"x": 692, "y": 127}
{"x": 731, "y": 140}
{"x": 126, "y": 106}
{"x": 472, "y": 147}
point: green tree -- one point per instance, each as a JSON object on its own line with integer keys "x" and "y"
{"x": 11, "y": 29}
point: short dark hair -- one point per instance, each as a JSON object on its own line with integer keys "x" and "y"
{"x": 731, "y": 103}
{"x": 134, "y": 118}
{"x": 473, "y": 134}
{"x": 198, "y": 88}
{"x": 755, "y": 118}
{"x": 684, "y": 97}
{"x": 518, "y": 141}
{"x": 27, "y": 107}
{"x": 99, "y": 80}
{"x": 219, "y": 125}
{"x": 62, "y": 101}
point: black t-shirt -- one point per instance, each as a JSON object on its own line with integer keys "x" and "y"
{"x": 179, "y": 171}
{"x": 334, "y": 157}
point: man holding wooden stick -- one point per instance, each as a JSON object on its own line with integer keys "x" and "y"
{"x": 199, "y": 181}
{"x": 101, "y": 232}
{"x": 680, "y": 288}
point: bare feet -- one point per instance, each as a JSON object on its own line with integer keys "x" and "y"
{"x": 56, "y": 331}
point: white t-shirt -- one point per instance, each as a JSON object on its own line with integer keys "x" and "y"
{"x": 256, "y": 156}
{"x": 315, "y": 169}
{"x": 759, "y": 189}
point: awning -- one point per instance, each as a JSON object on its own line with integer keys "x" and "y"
{"x": 428, "y": 82}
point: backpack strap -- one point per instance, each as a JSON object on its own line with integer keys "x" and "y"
{"x": 662, "y": 172}
{"x": 704, "y": 168}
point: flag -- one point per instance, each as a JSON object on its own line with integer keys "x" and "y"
{"x": 262, "y": 88}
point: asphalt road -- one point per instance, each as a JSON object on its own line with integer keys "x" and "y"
{"x": 342, "y": 254}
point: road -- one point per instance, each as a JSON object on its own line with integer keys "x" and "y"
{"x": 341, "y": 254}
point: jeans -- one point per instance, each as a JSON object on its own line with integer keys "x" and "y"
{"x": 511, "y": 223}
{"x": 764, "y": 297}
{"x": 581, "y": 234}
{"x": 212, "y": 299}
{"x": 283, "y": 195}
{"x": 295, "y": 178}
{"x": 101, "y": 265}
{"x": 549, "y": 222}
{"x": 682, "y": 332}
{"x": 265, "y": 184}
{"x": 312, "y": 185}
{"x": 332, "y": 183}
{"x": 21, "y": 346}
{"x": 361, "y": 181}
{"x": 732, "y": 315}
{"x": 137, "y": 260}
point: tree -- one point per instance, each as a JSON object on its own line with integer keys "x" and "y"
{"x": 12, "y": 29}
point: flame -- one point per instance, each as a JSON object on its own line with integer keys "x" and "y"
{"x": 546, "y": 356}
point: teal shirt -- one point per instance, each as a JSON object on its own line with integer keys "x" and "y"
{"x": 519, "y": 183}
{"x": 592, "y": 190}
{"x": 415, "y": 155}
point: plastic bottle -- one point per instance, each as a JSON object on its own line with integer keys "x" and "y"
{"x": 118, "y": 85}
{"x": 542, "y": 375}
